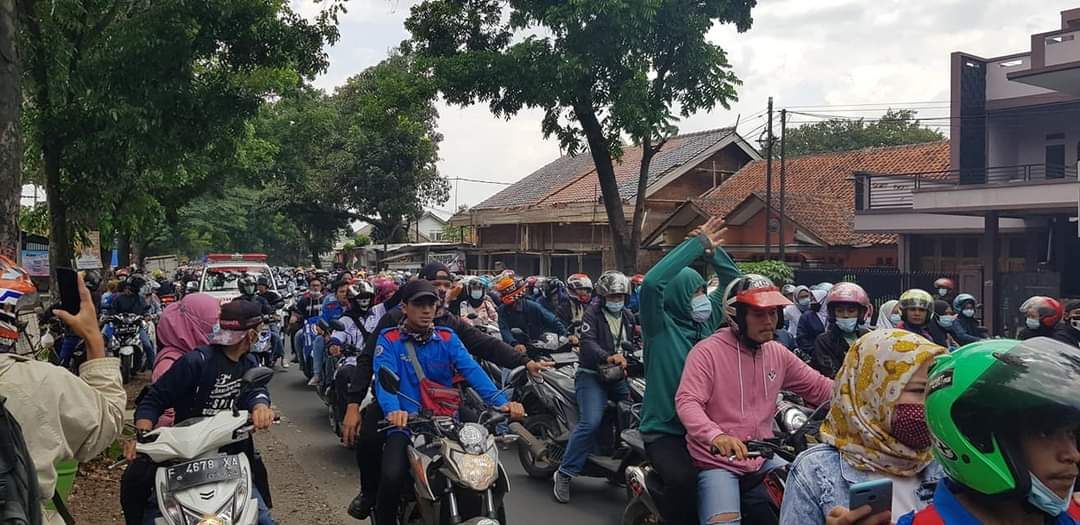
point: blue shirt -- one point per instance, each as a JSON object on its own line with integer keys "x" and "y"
{"x": 952, "y": 512}
{"x": 819, "y": 480}
{"x": 441, "y": 357}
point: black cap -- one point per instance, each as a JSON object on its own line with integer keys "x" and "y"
{"x": 240, "y": 315}
{"x": 416, "y": 289}
{"x": 432, "y": 270}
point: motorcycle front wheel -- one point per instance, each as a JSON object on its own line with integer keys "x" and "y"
{"x": 637, "y": 513}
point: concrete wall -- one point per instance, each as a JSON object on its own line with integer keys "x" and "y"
{"x": 999, "y": 87}
{"x": 1062, "y": 49}
{"x": 1019, "y": 137}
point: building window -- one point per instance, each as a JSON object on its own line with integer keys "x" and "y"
{"x": 969, "y": 248}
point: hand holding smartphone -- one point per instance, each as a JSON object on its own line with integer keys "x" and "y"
{"x": 877, "y": 494}
{"x": 68, "y": 285}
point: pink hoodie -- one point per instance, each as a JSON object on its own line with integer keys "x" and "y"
{"x": 727, "y": 389}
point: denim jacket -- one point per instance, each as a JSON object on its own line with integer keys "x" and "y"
{"x": 819, "y": 480}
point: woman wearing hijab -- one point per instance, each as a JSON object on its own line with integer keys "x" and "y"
{"x": 676, "y": 313}
{"x": 800, "y": 304}
{"x": 812, "y": 323}
{"x": 889, "y": 316}
{"x": 183, "y": 328}
{"x": 876, "y": 429}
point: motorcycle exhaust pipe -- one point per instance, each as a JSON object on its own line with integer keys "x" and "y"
{"x": 537, "y": 447}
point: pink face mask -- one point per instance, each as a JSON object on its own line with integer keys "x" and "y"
{"x": 909, "y": 426}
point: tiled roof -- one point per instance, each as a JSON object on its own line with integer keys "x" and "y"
{"x": 820, "y": 194}
{"x": 573, "y": 179}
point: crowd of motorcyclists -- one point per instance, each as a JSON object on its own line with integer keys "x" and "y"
{"x": 963, "y": 427}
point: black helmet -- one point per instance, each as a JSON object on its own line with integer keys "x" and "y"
{"x": 263, "y": 281}
{"x": 246, "y": 284}
{"x": 92, "y": 278}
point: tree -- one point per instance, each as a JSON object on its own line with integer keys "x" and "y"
{"x": 10, "y": 138}
{"x": 598, "y": 70}
{"x": 895, "y": 128}
{"x": 387, "y": 146}
{"x": 122, "y": 93}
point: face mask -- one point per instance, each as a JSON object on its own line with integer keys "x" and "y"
{"x": 700, "y": 308}
{"x": 943, "y": 291}
{"x": 1032, "y": 324}
{"x": 847, "y": 324}
{"x": 804, "y": 302}
{"x": 1045, "y": 499}
{"x": 946, "y": 321}
{"x": 476, "y": 294}
{"x": 895, "y": 319}
{"x": 968, "y": 312}
{"x": 909, "y": 426}
{"x": 1075, "y": 323}
{"x": 614, "y": 307}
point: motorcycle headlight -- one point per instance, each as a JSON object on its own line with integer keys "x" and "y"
{"x": 472, "y": 437}
{"x": 794, "y": 419}
{"x": 477, "y": 471}
{"x": 240, "y": 498}
{"x": 214, "y": 520}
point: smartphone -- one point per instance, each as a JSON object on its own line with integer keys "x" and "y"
{"x": 877, "y": 494}
{"x": 68, "y": 283}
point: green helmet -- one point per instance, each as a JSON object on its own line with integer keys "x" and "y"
{"x": 980, "y": 396}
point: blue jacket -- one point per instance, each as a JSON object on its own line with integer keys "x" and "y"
{"x": 810, "y": 326}
{"x": 819, "y": 480}
{"x": 947, "y": 510}
{"x": 441, "y": 357}
{"x": 533, "y": 318}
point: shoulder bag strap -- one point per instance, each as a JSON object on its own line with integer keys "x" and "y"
{"x": 415, "y": 362}
{"x": 62, "y": 509}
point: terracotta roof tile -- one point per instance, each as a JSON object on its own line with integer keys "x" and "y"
{"x": 820, "y": 192}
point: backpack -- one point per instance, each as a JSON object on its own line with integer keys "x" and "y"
{"x": 20, "y": 502}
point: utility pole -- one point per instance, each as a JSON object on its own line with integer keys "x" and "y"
{"x": 783, "y": 173}
{"x": 768, "y": 184}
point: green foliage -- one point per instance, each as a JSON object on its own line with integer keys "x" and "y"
{"x": 895, "y": 128}
{"x": 361, "y": 240}
{"x": 779, "y": 272}
{"x": 34, "y": 219}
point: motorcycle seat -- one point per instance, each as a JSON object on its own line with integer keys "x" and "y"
{"x": 562, "y": 383}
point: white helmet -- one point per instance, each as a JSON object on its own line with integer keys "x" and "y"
{"x": 579, "y": 281}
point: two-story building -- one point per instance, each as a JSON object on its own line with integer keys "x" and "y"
{"x": 553, "y": 221}
{"x": 1001, "y": 215}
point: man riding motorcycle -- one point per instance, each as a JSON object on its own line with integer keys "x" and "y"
{"x": 368, "y": 440}
{"x": 917, "y": 312}
{"x": 581, "y": 298}
{"x": 440, "y": 354}
{"x": 309, "y": 306}
{"x": 129, "y": 301}
{"x": 360, "y": 321}
{"x": 276, "y": 302}
{"x": 478, "y": 302}
{"x": 204, "y": 382}
{"x": 518, "y": 311}
{"x": 604, "y": 328}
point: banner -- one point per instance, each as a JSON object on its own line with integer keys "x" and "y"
{"x": 36, "y": 262}
{"x": 88, "y": 257}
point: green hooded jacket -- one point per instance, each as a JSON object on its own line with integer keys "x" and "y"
{"x": 669, "y": 330}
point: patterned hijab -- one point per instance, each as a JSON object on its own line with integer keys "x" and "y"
{"x": 875, "y": 372}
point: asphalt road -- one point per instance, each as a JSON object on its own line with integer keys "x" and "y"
{"x": 305, "y": 431}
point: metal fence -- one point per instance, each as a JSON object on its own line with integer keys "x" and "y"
{"x": 881, "y": 284}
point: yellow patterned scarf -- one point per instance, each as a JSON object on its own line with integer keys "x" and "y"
{"x": 875, "y": 372}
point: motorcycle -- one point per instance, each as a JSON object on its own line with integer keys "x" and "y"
{"x": 763, "y": 492}
{"x": 457, "y": 475}
{"x": 307, "y": 339}
{"x": 263, "y": 349}
{"x": 551, "y": 403}
{"x": 195, "y": 480}
{"x": 126, "y": 344}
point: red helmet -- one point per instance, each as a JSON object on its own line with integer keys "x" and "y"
{"x": 637, "y": 279}
{"x": 850, "y": 293}
{"x": 531, "y": 281}
{"x": 579, "y": 281}
{"x": 510, "y": 290}
{"x": 946, "y": 283}
{"x": 756, "y": 291}
{"x": 1050, "y": 310}
{"x": 15, "y": 285}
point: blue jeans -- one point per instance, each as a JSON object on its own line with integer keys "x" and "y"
{"x": 313, "y": 350}
{"x": 264, "y": 513}
{"x": 719, "y": 493}
{"x": 592, "y": 396}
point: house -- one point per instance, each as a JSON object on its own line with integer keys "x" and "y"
{"x": 818, "y": 209}
{"x": 427, "y": 228}
{"x": 1000, "y": 213}
{"x": 553, "y": 221}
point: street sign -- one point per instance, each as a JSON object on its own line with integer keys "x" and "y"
{"x": 88, "y": 256}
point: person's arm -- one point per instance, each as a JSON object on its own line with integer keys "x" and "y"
{"x": 476, "y": 377}
{"x": 484, "y": 346}
{"x": 821, "y": 359}
{"x": 592, "y": 353}
{"x": 695, "y": 391}
{"x": 385, "y": 357}
{"x": 961, "y": 334}
{"x": 177, "y": 383}
{"x": 800, "y": 502}
{"x": 652, "y": 289}
{"x": 805, "y": 381}
{"x": 726, "y": 271}
{"x": 550, "y": 322}
{"x": 805, "y": 335}
{"x": 504, "y": 329}
{"x": 365, "y": 367}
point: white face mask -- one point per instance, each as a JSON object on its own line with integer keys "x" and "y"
{"x": 969, "y": 312}
{"x": 476, "y": 294}
{"x": 1032, "y": 324}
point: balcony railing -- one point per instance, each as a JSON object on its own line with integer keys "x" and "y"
{"x": 894, "y": 191}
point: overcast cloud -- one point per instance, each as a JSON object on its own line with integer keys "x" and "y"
{"x": 801, "y": 52}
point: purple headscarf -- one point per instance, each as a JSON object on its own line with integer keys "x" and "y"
{"x": 185, "y": 326}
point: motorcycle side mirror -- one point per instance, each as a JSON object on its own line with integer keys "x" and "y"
{"x": 519, "y": 335}
{"x": 257, "y": 377}
{"x": 389, "y": 381}
{"x": 337, "y": 325}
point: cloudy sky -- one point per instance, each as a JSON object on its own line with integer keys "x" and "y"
{"x": 857, "y": 56}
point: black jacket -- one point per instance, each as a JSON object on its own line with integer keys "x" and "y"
{"x": 930, "y": 331}
{"x": 1027, "y": 333}
{"x": 830, "y": 349}
{"x": 1065, "y": 333}
{"x": 128, "y": 304}
{"x": 199, "y": 384}
{"x": 476, "y": 342}
{"x": 597, "y": 343}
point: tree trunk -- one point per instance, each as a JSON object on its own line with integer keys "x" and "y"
{"x": 647, "y": 154}
{"x": 10, "y": 137}
{"x": 123, "y": 248}
{"x": 625, "y": 252}
{"x": 60, "y": 249}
